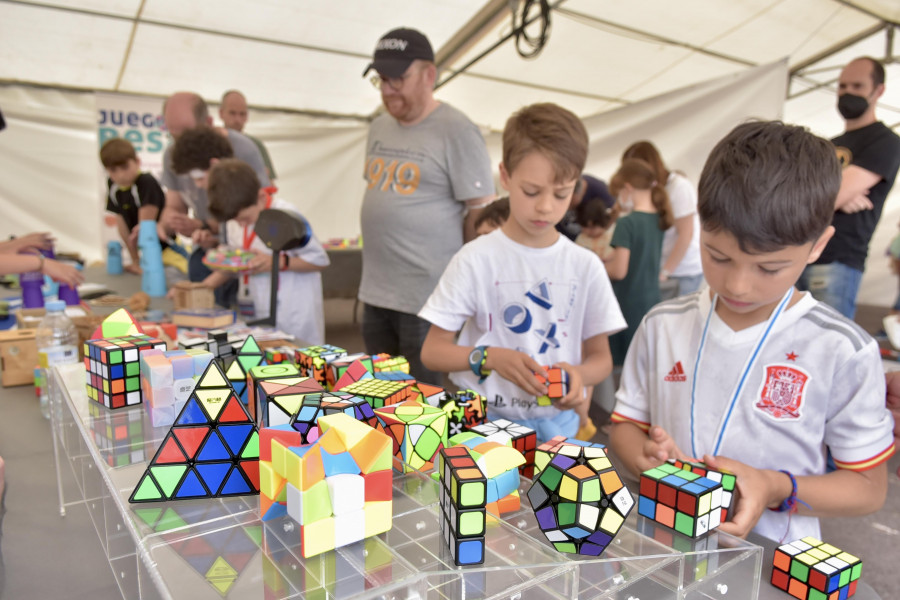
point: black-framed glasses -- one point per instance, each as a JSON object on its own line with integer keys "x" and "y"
{"x": 395, "y": 83}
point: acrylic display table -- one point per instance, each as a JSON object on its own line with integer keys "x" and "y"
{"x": 219, "y": 548}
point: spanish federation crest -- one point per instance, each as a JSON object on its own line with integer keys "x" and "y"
{"x": 782, "y": 392}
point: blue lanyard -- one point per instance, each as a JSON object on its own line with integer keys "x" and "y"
{"x": 741, "y": 380}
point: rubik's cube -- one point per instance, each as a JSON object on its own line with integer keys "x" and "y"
{"x": 315, "y": 406}
{"x": 114, "y": 369}
{"x": 313, "y": 360}
{"x": 810, "y": 569}
{"x": 465, "y": 408}
{"x": 280, "y": 354}
{"x": 499, "y": 461}
{"x": 418, "y": 431}
{"x": 463, "y": 494}
{"x": 682, "y": 500}
{"x": 580, "y": 501}
{"x": 269, "y": 372}
{"x": 557, "y": 384}
{"x": 167, "y": 380}
{"x": 347, "y": 369}
{"x": 726, "y": 478}
{"x": 522, "y": 438}
{"x": 338, "y": 489}
{"x": 386, "y": 362}
{"x": 380, "y": 393}
{"x": 278, "y": 400}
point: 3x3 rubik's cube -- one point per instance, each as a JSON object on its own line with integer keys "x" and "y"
{"x": 113, "y": 368}
{"x": 687, "y": 497}
{"x": 810, "y": 569}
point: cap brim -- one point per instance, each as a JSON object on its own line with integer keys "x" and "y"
{"x": 389, "y": 68}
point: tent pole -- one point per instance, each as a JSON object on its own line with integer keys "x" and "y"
{"x": 471, "y": 33}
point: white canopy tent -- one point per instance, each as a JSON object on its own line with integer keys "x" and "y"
{"x": 678, "y": 73}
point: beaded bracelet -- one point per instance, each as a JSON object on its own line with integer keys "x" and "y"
{"x": 789, "y": 504}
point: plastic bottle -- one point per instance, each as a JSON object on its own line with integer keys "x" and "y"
{"x": 57, "y": 344}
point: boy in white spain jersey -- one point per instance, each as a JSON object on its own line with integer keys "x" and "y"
{"x": 752, "y": 375}
{"x": 525, "y": 296}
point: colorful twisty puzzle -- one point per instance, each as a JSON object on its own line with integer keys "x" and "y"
{"x": 463, "y": 495}
{"x": 212, "y": 449}
{"x": 683, "y": 500}
{"x": 810, "y": 569}
{"x": 113, "y": 368}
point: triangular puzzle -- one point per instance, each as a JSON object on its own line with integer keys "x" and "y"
{"x": 212, "y": 450}
{"x": 236, "y": 367}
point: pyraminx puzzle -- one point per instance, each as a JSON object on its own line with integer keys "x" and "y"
{"x": 212, "y": 450}
{"x": 236, "y": 367}
{"x": 113, "y": 369}
{"x": 579, "y": 500}
{"x": 810, "y": 569}
{"x": 681, "y": 500}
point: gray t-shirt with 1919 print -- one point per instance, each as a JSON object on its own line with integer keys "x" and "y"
{"x": 418, "y": 178}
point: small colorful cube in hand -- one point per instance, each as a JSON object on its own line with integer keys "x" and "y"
{"x": 556, "y": 382}
{"x": 813, "y": 570}
{"x": 726, "y": 478}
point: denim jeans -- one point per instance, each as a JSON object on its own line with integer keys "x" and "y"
{"x": 835, "y": 284}
{"x": 398, "y": 333}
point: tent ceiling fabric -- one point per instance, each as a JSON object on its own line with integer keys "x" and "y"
{"x": 308, "y": 55}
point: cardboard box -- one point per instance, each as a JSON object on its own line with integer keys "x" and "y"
{"x": 18, "y": 357}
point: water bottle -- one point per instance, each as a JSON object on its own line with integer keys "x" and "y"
{"x": 57, "y": 344}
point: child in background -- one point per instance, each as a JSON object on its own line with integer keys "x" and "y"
{"x": 236, "y": 199}
{"x": 597, "y": 221}
{"x": 133, "y": 196}
{"x": 492, "y": 216}
{"x": 753, "y": 369}
{"x": 524, "y": 295}
{"x": 637, "y": 245}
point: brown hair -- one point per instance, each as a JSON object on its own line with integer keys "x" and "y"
{"x": 770, "y": 185}
{"x": 551, "y": 130}
{"x": 233, "y": 186}
{"x": 639, "y": 175}
{"x": 496, "y": 213}
{"x": 196, "y": 148}
{"x": 648, "y": 153}
{"x": 595, "y": 212}
{"x": 116, "y": 152}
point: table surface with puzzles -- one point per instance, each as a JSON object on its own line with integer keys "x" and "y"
{"x": 219, "y": 547}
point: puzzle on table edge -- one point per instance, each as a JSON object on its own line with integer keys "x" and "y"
{"x": 418, "y": 432}
{"x": 463, "y": 494}
{"x": 579, "y": 500}
{"x": 167, "y": 380}
{"x": 338, "y": 489}
{"x": 113, "y": 376}
{"x": 212, "y": 450}
{"x": 683, "y": 500}
{"x": 499, "y": 461}
{"x": 810, "y": 569}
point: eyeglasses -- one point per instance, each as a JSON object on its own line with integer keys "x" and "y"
{"x": 395, "y": 83}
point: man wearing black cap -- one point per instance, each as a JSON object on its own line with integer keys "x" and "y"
{"x": 428, "y": 174}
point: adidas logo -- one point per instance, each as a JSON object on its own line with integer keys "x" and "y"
{"x": 676, "y": 374}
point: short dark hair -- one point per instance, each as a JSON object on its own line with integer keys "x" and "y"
{"x": 232, "y": 187}
{"x": 594, "y": 211}
{"x": 770, "y": 185}
{"x": 496, "y": 213}
{"x": 196, "y": 148}
{"x": 877, "y": 69}
{"x": 550, "y": 130}
{"x": 116, "y": 152}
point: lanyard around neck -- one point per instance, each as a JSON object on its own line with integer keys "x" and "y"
{"x": 739, "y": 387}
{"x": 250, "y": 235}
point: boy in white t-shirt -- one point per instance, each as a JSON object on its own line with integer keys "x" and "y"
{"x": 524, "y": 296}
{"x": 236, "y": 198}
{"x": 752, "y": 375}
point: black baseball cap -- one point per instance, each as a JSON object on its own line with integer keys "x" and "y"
{"x": 597, "y": 188}
{"x": 397, "y": 49}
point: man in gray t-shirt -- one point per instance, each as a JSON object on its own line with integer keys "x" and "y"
{"x": 429, "y": 175}
{"x": 183, "y": 111}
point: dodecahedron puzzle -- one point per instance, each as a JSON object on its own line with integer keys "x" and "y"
{"x": 379, "y": 393}
{"x": 463, "y": 494}
{"x": 167, "y": 380}
{"x": 522, "y": 438}
{"x": 212, "y": 450}
{"x": 315, "y": 406}
{"x": 339, "y": 488}
{"x": 114, "y": 370}
{"x": 682, "y": 500}
{"x": 418, "y": 431}
{"x": 313, "y": 361}
{"x": 580, "y": 501}
{"x": 557, "y": 382}
{"x": 560, "y": 444}
{"x": 810, "y": 569}
{"x": 268, "y": 372}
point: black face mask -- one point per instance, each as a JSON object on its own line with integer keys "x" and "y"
{"x": 851, "y": 106}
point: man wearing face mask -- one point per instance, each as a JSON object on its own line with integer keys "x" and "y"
{"x": 870, "y": 156}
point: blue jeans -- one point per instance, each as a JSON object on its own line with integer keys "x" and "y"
{"x": 565, "y": 423}
{"x": 835, "y": 284}
{"x": 398, "y": 333}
